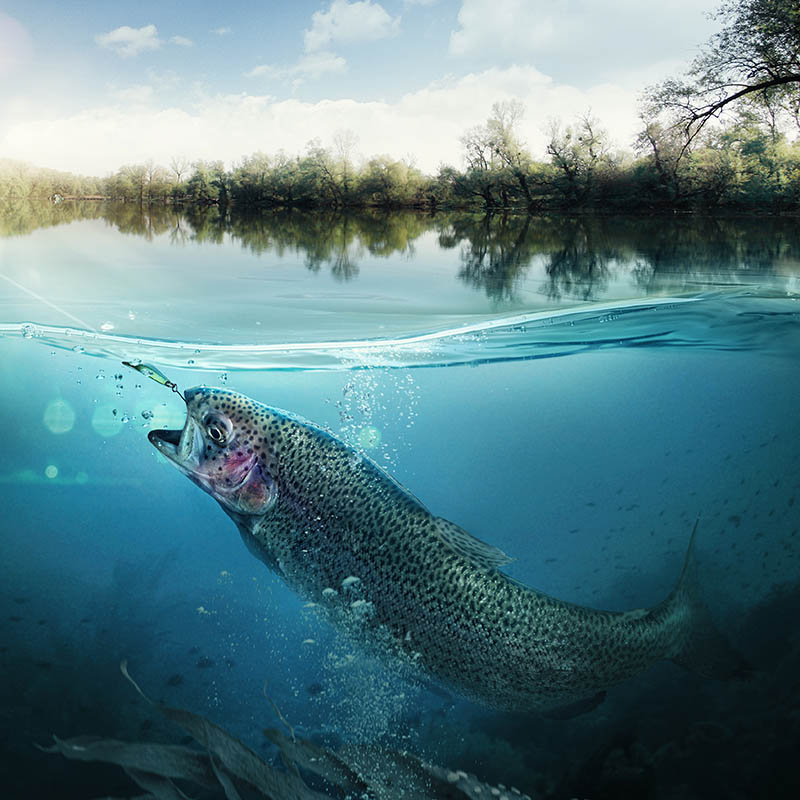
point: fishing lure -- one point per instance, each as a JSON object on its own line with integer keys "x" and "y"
{"x": 155, "y": 375}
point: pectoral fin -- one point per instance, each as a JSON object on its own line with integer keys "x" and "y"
{"x": 484, "y": 556}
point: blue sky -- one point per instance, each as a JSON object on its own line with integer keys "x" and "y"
{"x": 90, "y": 86}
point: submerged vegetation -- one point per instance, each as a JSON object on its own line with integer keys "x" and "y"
{"x": 642, "y": 746}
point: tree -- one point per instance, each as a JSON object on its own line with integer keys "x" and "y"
{"x": 344, "y": 145}
{"x": 179, "y": 166}
{"x": 208, "y": 183}
{"x": 668, "y": 151}
{"x": 321, "y": 170}
{"x": 756, "y": 54}
{"x": 134, "y": 181}
{"x": 507, "y": 146}
{"x": 496, "y": 158}
{"x": 578, "y": 151}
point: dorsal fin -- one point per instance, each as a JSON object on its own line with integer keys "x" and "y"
{"x": 484, "y": 556}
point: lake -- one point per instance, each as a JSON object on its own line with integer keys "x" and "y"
{"x": 578, "y": 392}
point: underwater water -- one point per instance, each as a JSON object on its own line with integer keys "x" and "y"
{"x": 577, "y": 392}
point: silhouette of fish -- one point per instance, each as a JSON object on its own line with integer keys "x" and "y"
{"x": 411, "y": 585}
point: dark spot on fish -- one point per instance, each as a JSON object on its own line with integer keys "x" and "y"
{"x": 315, "y": 688}
{"x": 175, "y": 680}
{"x": 229, "y": 662}
{"x": 205, "y": 662}
{"x": 41, "y": 622}
{"x": 20, "y": 600}
{"x": 84, "y": 620}
{"x": 15, "y": 618}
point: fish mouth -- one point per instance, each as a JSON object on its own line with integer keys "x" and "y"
{"x": 184, "y": 448}
{"x": 181, "y": 447}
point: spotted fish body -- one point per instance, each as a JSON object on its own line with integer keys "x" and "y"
{"x": 410, "y": 585}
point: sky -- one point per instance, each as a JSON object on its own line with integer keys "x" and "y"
{"x": 89, "y": 86}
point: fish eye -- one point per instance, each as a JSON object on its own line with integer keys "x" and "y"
{"x": 215, "y": 433}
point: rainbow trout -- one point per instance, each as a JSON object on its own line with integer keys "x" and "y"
{"x": 413, "y": 586}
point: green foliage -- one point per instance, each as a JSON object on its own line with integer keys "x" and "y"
{"x": 755, "y": 58}
{"x": 747, "y": 165}
{"x": 21, "y": 180}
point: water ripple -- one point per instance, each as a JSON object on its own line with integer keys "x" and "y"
{"x": 718, "y": 320}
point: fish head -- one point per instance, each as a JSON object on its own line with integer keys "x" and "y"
{"x": 221, "y": 448}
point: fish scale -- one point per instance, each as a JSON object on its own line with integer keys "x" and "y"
{"x": 417, "y": 588}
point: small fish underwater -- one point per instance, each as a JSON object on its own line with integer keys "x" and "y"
{"x": 416, "y": 588}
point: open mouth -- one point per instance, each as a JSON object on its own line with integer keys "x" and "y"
{"x": 181, "y": 447}
{"x": 165, "y": 437}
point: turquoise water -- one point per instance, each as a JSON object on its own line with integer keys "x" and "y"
{"x": 576, "y": 392}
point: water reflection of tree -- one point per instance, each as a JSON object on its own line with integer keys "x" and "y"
{"x": 495, "y": 252}
{"x": 21, "y": 217}
{"x": 581, "y": 266}
{"x": 689, "y": 254}
{"x": 572, "y": 257}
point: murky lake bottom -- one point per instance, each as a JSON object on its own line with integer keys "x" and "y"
{"x": 578, "y": 393}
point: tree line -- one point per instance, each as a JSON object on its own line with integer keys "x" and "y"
{"x": 684, "y": 158}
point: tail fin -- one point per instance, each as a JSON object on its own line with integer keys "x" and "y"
{"x": 698, "y": 645}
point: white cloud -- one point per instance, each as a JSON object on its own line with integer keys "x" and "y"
{"x": 583, "y": 37}
{"x": 137, "y": 94}
{"x": 163, "y": 81}
{"x": 127, "y": 41}
{"x": 182, "y": 41}
{"x": 505, "y": 26}
{"x": 15, "y": 45}
{"x": 426, "y": 123}
{"x": 221, "y": 31}
{"x": 312, "y": 65}
{"x": 346, "y": 22}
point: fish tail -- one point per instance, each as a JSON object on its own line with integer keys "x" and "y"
{"x": 698, "y": 645}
